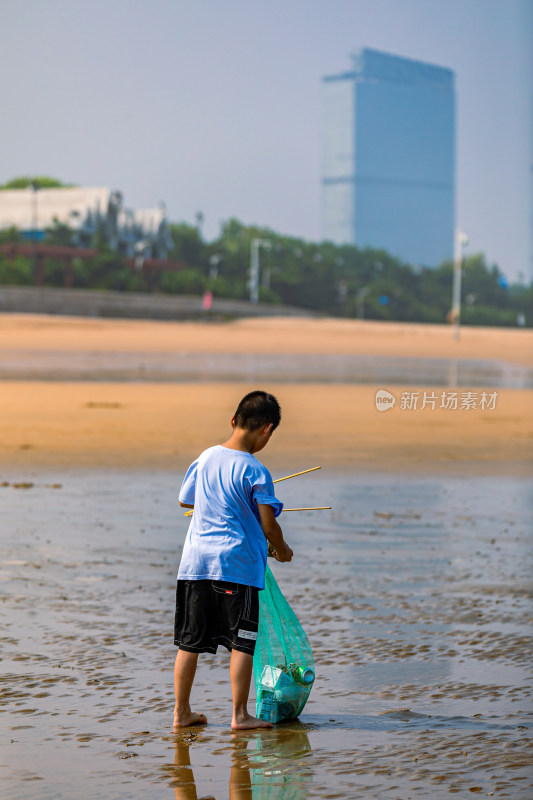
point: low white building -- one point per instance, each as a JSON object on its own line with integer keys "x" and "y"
{"x": 87, "y": 211}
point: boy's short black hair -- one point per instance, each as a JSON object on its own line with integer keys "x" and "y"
{"x": 256, "y": 409}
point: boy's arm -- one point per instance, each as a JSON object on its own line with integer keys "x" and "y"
{"x": 188, "y": 486}
{"x": 274, "y": 534}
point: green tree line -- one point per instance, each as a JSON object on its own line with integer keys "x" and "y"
{"x": 37, "y": 181}
{"x": 338, "y": 280}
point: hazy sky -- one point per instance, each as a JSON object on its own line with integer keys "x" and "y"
{"x": 215, "y": 105}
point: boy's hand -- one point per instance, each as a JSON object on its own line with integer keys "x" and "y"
{"x": 283, "y": 555}
{"x": 275, "y": 553}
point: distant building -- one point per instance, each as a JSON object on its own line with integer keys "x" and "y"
{"x": 388, "y": 157}
{"x": 87, "y": 211}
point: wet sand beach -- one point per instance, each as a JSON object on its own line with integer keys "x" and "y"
{"x": 415, "y": 594}
{"x": 131, "y": 425}
{"x": 415, "y": 590}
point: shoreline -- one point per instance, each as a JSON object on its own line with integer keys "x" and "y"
{"x": 281, "y": 335}
{"x": 73, "y": 423}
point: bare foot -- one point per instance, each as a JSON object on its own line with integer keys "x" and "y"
{"x": 187, "y": 719}
{"x": 246, "y": 721}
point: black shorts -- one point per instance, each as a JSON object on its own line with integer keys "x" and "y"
{"x": 209, "y": 613}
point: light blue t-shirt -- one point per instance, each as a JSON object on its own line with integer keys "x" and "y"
{"x": 225, "y": 540}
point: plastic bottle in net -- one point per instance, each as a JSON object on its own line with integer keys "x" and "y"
{"x": 284, "y": 669}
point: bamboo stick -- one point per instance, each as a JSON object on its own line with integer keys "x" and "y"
{"x": 286, "y": 478}
{"x": 312, "y": 508}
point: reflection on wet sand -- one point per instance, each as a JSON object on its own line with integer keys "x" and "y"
{"x": 264, "y": 367}
{"x": 181, "y": 774}
{"x": 264, "y": 765}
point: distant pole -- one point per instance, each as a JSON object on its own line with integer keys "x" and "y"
{"x": 254, "y": 271}
{"x": 360, "y": 302}
{"x": 214, "y": 261}
{"x": 34, "y": 225}
{"x": 254, "y": 267}
{"x": 199, "y": 216}
{"x": 461, "y": 240}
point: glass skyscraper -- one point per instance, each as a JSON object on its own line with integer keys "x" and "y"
{"x": 389, "y": 157}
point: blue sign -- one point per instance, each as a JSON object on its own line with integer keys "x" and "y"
{"x": 383, "y": 299}
{"x": 32, "y": 236}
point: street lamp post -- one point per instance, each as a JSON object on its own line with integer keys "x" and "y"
{"x": 254, "y": 267}
{"x": 360, "y": 301}
{"x": 267, "y": 275}
{"x": 214, "y": 261}
{"x": 461, "y": 240}
{"x": 199, "y": 216}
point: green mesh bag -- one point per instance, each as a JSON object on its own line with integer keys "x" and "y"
{"x": 284, "y": 669}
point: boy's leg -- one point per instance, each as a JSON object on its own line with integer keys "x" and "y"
{"x": 240, "y": 670}
{"x": 184, "y": 671}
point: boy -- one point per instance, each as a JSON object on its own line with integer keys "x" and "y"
{"x": 224, "y": 556}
